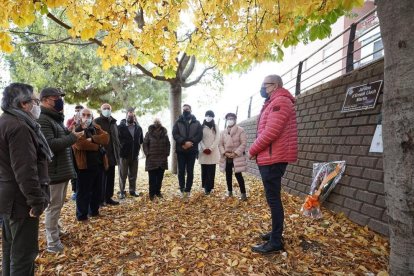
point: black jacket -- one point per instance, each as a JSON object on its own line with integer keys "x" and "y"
{"x": 23, "y": 170}
{"x": 156, "y": 148}
{"x": 184, "y": 130}
{"x": 130, "y": 146}
{"x": 60, "y": 140}
{"x": 112, "y": 149}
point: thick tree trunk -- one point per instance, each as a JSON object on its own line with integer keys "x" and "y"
{"x": 397, "y": 21}
{"x": 175, "y": 111}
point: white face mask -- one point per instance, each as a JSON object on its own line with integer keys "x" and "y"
{"x": 35, "y": 111}
{"x": 231, "y": 122}
{"x": 87, "y": 121}
{"x": 208, "y": 119}
{"x": 106, "y": 112}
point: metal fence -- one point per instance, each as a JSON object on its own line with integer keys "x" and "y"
{"x": 357, "y": 46}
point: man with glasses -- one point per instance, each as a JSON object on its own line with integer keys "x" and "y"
{"x": 24, "y": 154}
{"x": 276, "y": 145}
{"x": 90, "y": 160}
{"x": 61, "y": 169}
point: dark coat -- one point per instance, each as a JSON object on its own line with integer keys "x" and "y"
{"x": 23, "y": 169}
{"x": 156, "y": 147}
{"x": 60, "y": 140}
{"x": 130, "y": 146}
{"x": 112, "y": 149}
{"x": 187, "y": 131}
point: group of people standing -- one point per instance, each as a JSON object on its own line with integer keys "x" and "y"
{"x": 212, "y": 147}
{"x": 39, "y": 156}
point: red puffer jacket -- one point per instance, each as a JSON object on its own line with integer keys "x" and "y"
{"x": 277, "y": 135}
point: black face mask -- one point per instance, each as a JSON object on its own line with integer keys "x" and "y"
{"x": 186, "y": 113}
{"x": 130, "y": 119}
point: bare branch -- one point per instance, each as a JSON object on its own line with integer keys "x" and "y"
{"x": 32, "y": 33}
{"x": 197, "y": 80}
{"x": 57, "y": 41}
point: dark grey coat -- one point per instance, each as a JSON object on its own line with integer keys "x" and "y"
{"x": 23, "y": 170}
{"x": 156, "y": 147}
{"x": 112, "y": 149}
{"x": 60, "y": 140}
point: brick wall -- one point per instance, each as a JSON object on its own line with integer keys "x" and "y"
{"x": 326, "y": 134}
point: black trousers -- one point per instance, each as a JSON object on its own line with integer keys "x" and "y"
{"x": 208, "y": 173}
{"x": 88, "y": 192}
{"x": 155, "y": 181}
{"x": 186, "y": 161}
{"x": 20, "y": 245}
{"x": 108, "y": 182}
{"x": 229, "y": 178}
{"x": 272, "y": 179}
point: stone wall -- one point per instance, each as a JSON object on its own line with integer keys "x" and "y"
{"x": 326, "y": 134}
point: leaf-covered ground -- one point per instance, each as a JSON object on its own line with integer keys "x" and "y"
{"x": 209, "y": 235}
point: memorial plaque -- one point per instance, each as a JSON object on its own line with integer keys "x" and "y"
{"x": 362, "y": 97}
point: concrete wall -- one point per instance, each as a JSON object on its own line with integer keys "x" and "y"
{"x": 326, "y": 134}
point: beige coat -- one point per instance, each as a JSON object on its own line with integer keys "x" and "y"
{"x": 235, "y": 141}
{"x": 210, "y": 141}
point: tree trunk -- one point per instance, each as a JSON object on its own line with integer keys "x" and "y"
{"x": 397, "y": 21}
{"x": 175, "y": 111}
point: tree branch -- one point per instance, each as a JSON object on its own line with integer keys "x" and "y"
{"x": 197, "y": 80}
{"x": 98, "y": 42}
{"x": 188, "y": 70}
{"x": 32, "y": 33}
{"x": 57, "y": 41}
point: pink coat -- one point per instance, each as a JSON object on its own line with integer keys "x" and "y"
{"x": 236, "y": 142}
{"x": 277, "y": 135}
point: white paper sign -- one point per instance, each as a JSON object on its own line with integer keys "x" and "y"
{"x": 376, "y": 144}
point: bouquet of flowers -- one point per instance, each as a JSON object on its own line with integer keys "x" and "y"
{"x": 324, "y": 179}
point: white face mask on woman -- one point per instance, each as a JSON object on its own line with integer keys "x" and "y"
{"x": 35, "y": 111}
{"x": 208, "y": 119}
{"x": 231, "y": 123}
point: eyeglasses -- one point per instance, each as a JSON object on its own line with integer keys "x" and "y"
{"x": 268, "y": 83}
{"x": 36, "y": 101}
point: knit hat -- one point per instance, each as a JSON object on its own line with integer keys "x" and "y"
{"x": 209, "y": 113}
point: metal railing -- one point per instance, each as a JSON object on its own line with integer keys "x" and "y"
{"x": 360, "y": 45}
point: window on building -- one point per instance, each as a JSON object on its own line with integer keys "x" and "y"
{"x": 378, "y": 46}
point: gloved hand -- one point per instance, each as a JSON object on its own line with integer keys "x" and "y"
{"x": 207, "y": 151}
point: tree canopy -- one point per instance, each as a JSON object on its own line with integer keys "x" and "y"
{"x": 78, "y": 71}
{"x": 229, "y": 35}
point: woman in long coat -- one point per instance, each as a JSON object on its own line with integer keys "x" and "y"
{"x": 156, "y": 147}
{"x": 232, "y": 147}
{"x": 209, "y": 154}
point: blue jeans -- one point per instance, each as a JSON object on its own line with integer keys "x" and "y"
{"x": 272, "y": 178}
{"x": 186, "y": 161}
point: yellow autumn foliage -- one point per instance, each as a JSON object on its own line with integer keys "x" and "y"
{"x": 227, "y": 34}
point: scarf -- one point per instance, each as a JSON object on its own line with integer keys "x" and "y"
{"x": 43, "y": 145}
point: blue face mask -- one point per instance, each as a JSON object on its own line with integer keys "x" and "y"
{"x": 58, "y": 105}
{"x": 263, "y": 92}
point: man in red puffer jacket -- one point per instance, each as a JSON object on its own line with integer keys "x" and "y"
{"x": 276, "y": 145}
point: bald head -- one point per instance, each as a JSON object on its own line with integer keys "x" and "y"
{"x": 106, "y": 106}
{"x": 273, "y": 79}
